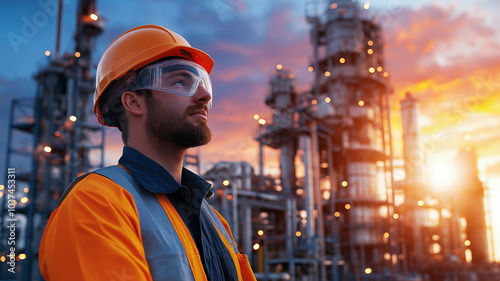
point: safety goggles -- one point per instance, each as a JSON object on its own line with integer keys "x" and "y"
{"x": 176, "y": 76}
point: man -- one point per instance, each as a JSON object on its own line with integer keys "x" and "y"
{"x": 147, "y": 217}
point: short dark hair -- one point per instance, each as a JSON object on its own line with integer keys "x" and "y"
{"x": 118, "y": 113}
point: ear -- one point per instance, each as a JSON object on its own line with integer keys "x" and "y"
{"x": 133, "y": 103}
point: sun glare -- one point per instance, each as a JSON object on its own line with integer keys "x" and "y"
{"x": 441, "y": 174}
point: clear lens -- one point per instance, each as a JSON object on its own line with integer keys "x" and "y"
{"x": 180, "y": 77}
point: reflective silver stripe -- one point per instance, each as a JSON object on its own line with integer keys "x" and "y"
{"x": 165, "y": 254}
{"x": 217, "y": 223}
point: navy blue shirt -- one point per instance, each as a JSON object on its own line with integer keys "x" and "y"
{"x": 186, "y": 198}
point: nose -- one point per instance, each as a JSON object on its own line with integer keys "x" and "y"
{"x": 202, "y": 95}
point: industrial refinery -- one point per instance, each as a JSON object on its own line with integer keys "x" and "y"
{"x": 336, "y": 212}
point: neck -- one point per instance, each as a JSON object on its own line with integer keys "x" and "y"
{"x": 169, "y": 156}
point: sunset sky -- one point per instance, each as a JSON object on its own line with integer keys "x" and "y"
{"x": 446, "y": 54}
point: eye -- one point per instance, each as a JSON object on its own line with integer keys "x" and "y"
{"x": 180, "y": 83}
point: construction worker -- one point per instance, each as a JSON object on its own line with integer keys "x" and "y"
{"x": 146, "y": 218}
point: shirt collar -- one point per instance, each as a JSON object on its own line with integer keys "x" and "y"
{"x": 154, "y": 177}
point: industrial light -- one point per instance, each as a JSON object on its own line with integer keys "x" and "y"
{"x": 24, "y": 200}
{"x": 347, "y": 206}
{"x": 298, "y": 233}
{"x": 361, "y": 103}
{"x": 229, "y": 197}
{"x": 334, "y": 6}
{"x": 94, "y": 17}
{"x": 420, "y": 203}
{"x": 225, "y": 183}
{"x": 386, "y": 235}
{"x": 368, "y": 270}
{"x": 2, "y": 187}
{"x": 395, "y": 216}
{"x": 386, "y": 74}
{"x": 369, "y": 51}
{"x": 344, "y": 183}
{"x": 256, "y": 246}
{"x": 77, "y": 54}
{"x": 22, "y": 256}
{"x": 337, "y": 214}
{"x": 262, "y": 121}
{"x": 279, "y": 66}
{"x": 47, "y": 53}
{"x": 371, "y": 69}
{"x": 328, "y": 99}
{"x": 379, "y": 69}
{"x": 310, "y": 68}
{"x": 467, "y": 137}
{"x": 291, "y": 76}
{"x": 370, "y": 43}
{"x": 314, "y": 102}
{"x": 327, "y": 73}
{"x": 26, "y": 190}
{"x": 260, "y": 232}
{"x": 367, "y": 5}
{"x": 72, "y": 118}
{"x": 342, "y": 60}
{"x": 256, "y": 117}
{"x": 2, "y": 258}
{"x": 467, "y": 243}
{"x": 47, "y": 149}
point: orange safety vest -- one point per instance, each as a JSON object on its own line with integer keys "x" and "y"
{"x": 169, "y": 248}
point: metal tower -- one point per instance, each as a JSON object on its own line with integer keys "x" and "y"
{"x": 51, "y": 142}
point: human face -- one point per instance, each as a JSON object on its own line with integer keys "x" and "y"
{"x": 178, "y": 119}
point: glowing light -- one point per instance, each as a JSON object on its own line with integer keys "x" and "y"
{"x": 395, "y": 216}
{"x": 368, "y": 270}
{"x": 298, "y": 233}
{"x": 2, "y": 187}
{"x": 77, "y": 54}
{"x": 361, "y": 103}
{"x": 441, "y": 174}
{"x": 314, "y": 102}
{"x": 386, "y": 235}
{"x": 386, "y": 74}
{"x": 334, "y": 6}
{"x": 327, "y": 73}
{"x": 229, "y": 197}
{"x": 468, "y": 255}
{"x": 347, "y": 206}
{"x": 72, "y": 118}
{"x": 22, "y": 256}
{"x": 94, "y": 17}
{"x": 26, "y": 190}
{"x": 256, "y": 246}
{"x": 291, "y": 76}
{"x": 337, "y": 214}
{"x": 435, "y": 237}
{"x": 328, "y": 99}
{"x": 324, "y": 165}
{"x": 262, "y": 121}
{"x": 387, "y": 256}
{"x": 342, "y": 60}
{"x": 370, "y": 43}
{"x": 369, "y": 51}
{"x": 467, "y": 243}
{"x": 366, "y": 6}
{"x": 420, "y": 203}
{"x": 436, "y": 248}
{"x": 310, "y": 68}
{"x": 47, "y": 149}
{"x": 379, "y": 69}
{"x": 225, "y": 183}
{"x": 279, "y": 66}
{"x": 57, "y": 134}
{"x": 24, "y": 200}
{"x": 47, "y": 53}
{"x": 344, "y": 183}
{"x": 260, "y": 232}
{"x": 371, "y": 70}
{"x": 467, "y": 137}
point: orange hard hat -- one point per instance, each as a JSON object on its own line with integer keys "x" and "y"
{"x": 139, "y": 47}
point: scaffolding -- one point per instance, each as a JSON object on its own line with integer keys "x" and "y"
{"x": 51, "y": 142}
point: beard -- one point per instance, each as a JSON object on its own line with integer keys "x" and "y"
{"x": 167, "y": 126}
